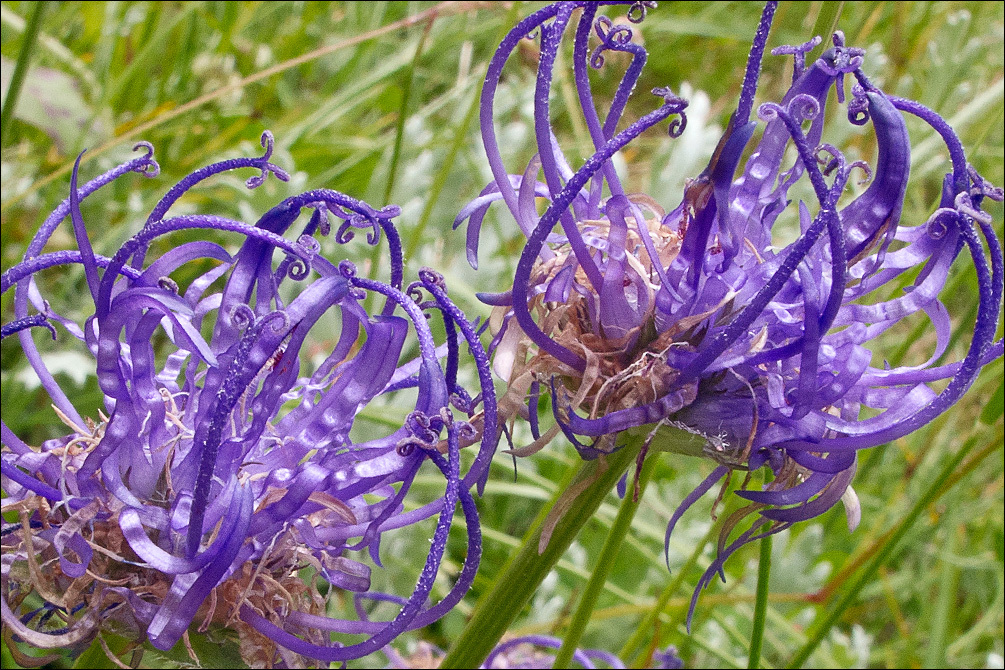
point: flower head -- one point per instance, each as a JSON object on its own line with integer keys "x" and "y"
{"x": 647, "y": 312}
{"x": 225, "y": 461}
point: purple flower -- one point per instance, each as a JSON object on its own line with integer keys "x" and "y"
{"x": 519, "y": 652}
{"x": 644, "y": 313}
{"x": 223, "y": 462}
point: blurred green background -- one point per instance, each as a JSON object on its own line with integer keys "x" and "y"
{"x": 378, "y": 100}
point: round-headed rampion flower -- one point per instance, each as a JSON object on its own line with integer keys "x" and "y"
{"x": 522, "y": 652}
{"x": 223, "y": 461}
{"x": 638, "y": 312}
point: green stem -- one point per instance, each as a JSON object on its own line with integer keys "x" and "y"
{"x": 21, "y": 69}
{"x": 520, "y": 577}
{"x": 760, "y": 603}
{"x": 932, "y": 492}
{"x": 608, "y": 556}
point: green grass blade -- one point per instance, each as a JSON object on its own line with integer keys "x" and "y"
{"x": 30, "y": 41}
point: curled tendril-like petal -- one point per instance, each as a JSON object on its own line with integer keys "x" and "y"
{"x": 677, "y": 126}
{"x": 242, "y": 316}
{"x": 836, "y": 160}
{"x": 940, "y": 221}
{"x": 612, "y": 38}
{"x": 278, "y": 320}
{"x": 344, "y": 235}
{"x": 149, "y": 168}
{"x": 417, "y": 421}
{"x": 965, "y": 205}
{"x": 797, "y": 49}
{"x": 804, "y": 107}
{"x": 446, "y": 416}
{"x": 358, "y": 220}
{"x": 838, "y": 38}
{"x": 678, "y": 104}
{"x": 297, "y": 269}
{"x": 168, "y": 284}
{"x": 268, "y": 143}
{"x": 347, "y": 269}
{"x": 637, "y": 12}
{"x": 310, "y": 245}
{"x": 858, "y": 107}
{"x": 431, "y": 277}
{"x": 466, "y": 431}
{"x": 606, "y": 30}
{"x": 462, "y": 402}
{"x": 865, "y": 167}
{"x": 406, "y": 446}
{"x": 414, "y": 292}
{"x": 367, "y": 220}
{"x": 982, "y": 186}
{"x": 769, "y": 111}
{"x": 425, "y": 432}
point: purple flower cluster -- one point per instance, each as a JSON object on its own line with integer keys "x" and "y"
{"x": 641, "y": 315}
{"x": 224, "y": 462}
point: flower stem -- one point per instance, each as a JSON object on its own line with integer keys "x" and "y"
{"x": 520, "y": 577}
{"x": 760, "y": 603}
{"x": 608, "y": 556}
{"x": 21, "y": 69}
